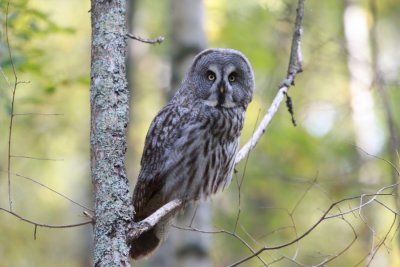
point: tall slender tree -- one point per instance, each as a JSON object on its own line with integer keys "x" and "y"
{"x": 109, "y": 100}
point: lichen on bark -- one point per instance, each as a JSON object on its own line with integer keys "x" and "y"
{"x": 109, "y": 118}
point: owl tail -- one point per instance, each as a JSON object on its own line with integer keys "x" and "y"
{"x": 149, "y": 241}
{"x": 144, "y": 245}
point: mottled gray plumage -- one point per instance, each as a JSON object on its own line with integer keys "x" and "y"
{"x": 191, "y": 145}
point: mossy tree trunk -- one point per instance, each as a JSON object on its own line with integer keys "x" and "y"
{"x": 109, "y": 100}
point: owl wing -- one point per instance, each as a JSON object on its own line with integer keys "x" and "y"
{"x": 158, "y": 158}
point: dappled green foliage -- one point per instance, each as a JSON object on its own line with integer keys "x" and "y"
{"x": 28, "y": 25}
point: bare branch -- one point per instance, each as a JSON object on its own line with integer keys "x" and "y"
{"x": 295, "y": 67}
{"x": 240, "y": 183}
{"x": 393, "y": 165}
{"x": 158, "y": 40}
{"x": 145, "y": 225}
{"x": 373, "y": 198}
{"x": 49, "y": 188}
{"x": 324, "y": 217}
{"x": 35, "y": 158}
{"x": 38, "y": 114}
{"x": 327, "y": 258}
{"x": 296, "y": 58}
{"x": 382, "y": 242}
{"x": 233, "y": 234}
{"x": 45, "y": 225}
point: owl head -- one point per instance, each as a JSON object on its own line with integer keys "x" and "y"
{"x": 218, "y": 77}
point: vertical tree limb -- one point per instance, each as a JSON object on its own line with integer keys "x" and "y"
{"x": 393, "y": 143}
{"x": 109, "y": 99}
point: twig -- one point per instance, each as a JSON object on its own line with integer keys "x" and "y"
{"x": 158, "y": 40}
{"x": 52, "y": 190}
{"x": 11, "y": 111}
{"x": 145, "y": 225}
{"x": 291, "y": 213}
{"x": 294, "y": 68}
{"x": 38, "y": 114}
{"x": 382, "y": 242}
{"x": 233, "y": 234}
{"x": 240, "y": 183}
{"x": 35, "y": 158}
{"x": 373, "y": 198}
{"x": 394, "y": 168}
{"x": 45, "y": 225}
{"x": 324, "y": 217}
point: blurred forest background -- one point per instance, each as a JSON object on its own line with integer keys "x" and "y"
{"x": 345, "y": 144}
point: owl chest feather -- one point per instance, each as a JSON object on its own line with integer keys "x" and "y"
{"x": 201, "y": 160}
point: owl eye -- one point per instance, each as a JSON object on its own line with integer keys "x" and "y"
{"x": 211, "y": 76}
{"x": 232, "y": 77}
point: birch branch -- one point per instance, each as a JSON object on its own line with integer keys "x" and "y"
{"x": 294, "y": 68}
{"x": 145, "y": 225}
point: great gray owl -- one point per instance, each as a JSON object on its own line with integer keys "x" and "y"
{"x": 191, "y": 145}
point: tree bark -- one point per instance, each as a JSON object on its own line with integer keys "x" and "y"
{"x": 109, "y": 99}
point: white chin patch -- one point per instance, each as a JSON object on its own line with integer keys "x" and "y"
{"x": 211, "y": 103}
{"x": 214, "y": 103}
{"x": 229, "y": 104}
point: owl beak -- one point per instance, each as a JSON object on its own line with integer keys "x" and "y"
{"x": 221, "y": 95}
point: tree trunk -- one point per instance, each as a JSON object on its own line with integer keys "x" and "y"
{"x": 393, "y": 142}
{"x": 368, "y": 135}
{"x": 187, "y": 37}
{"x": 109, "y": 118}
{"x": 367, "y": 132}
